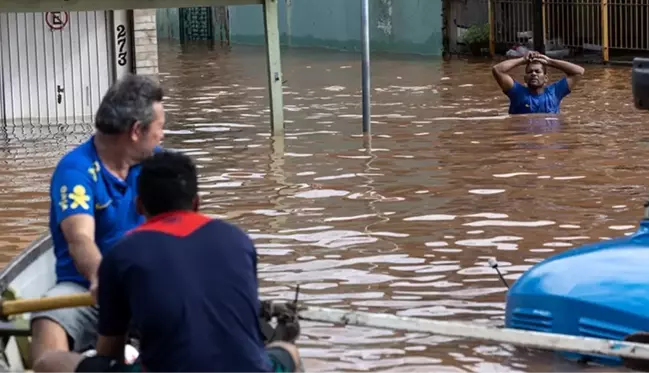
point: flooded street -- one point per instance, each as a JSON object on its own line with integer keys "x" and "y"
{"x": 403, "y": 225}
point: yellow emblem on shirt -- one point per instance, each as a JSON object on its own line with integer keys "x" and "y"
{"x": 64, "y": 198}
{"x": 92, "y": 170}
{"x": 78, "y": 197}
{"x": 99, "y": 206}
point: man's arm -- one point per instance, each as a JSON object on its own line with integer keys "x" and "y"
{"x": 573, "y": 72}
{"x": 79, "y": 232}
{"x": 501, "y": 72}
{"x": 73, "y": 201}
{"x": 114, "y": 310}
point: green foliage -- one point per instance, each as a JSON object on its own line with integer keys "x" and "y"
{"x": 476, "y": 34}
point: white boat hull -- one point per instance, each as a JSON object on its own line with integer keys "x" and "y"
{"x": 28, "y": 275}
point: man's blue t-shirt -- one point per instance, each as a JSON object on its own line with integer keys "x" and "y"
{"x": 522, "y": 101}
{"x": 189, "y": 285}
{"x": 81, "y": 185}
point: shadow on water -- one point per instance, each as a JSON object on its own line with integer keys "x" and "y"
{"x": 404, "y": 224}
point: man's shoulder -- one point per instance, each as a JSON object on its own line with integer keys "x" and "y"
{"x": 79, "y": 158}
{"x": 123, "y": 248}
{"x": 187, "y": 224}
{"x": 561, "y": 84}
{"x": 126, "y": 240}
{"x": 175, "y": 224}
{"x": 517, "y": 90}
{"x": 191, "y": 224}
{"x": 225, "y": 226}
{"x": 229, "y": 234}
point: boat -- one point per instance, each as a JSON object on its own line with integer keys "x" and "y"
{"x": 28, "y": 275}
{"x": 598, "y": 290}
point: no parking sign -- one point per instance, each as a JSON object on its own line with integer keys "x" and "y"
{"x": 57, "y": 20}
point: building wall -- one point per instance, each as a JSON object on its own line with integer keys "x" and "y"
{"x": 404, "y": 26}
{"x": 463, "y": 14}
{"x": 168, "y": 25}
{"x": 145, "y": 42}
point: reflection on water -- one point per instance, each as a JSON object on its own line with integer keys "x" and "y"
{"x": 403, "y": 224}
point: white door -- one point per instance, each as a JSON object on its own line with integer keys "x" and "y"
{"x": 56, "y": 66}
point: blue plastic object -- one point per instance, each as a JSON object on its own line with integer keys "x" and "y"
{"x": 599, "y": 290}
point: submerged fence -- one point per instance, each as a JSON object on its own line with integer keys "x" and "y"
{"x": 604, "y": 28}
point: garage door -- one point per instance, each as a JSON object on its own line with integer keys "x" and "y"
{"x": 55, "y": 66}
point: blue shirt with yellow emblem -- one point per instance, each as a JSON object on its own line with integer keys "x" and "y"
{"x": 81, "y": 185}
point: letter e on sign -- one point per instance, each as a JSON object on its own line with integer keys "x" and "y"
{"x": 57, "y": 20}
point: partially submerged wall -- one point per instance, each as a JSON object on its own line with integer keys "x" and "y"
{"x": 406, "y": 26}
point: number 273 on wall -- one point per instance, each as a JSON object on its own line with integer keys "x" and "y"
{"x": 121, "y": 45}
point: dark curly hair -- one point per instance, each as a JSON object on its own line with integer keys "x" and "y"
{"x": 168, "y": 182}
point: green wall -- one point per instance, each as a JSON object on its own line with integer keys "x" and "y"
{"x": 167, "y": 23}
{"x": 404, "y": 26}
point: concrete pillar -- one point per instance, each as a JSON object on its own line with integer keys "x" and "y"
{"x": 145, "y": 42}
{"x": 274, "y": 65}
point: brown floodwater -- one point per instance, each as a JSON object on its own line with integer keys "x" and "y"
{"x": 403, "y": 224}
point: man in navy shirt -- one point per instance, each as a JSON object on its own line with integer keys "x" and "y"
{"x": 536, "y": 96}
{"x": 92, "y": 194}
{"x": 186, "y": 282}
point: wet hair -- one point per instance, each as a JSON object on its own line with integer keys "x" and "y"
{"x": 167, "y": 182}
{"x": 543, "y": 66}
{"x": 127, "y": 101}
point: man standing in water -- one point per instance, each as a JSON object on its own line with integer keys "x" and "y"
{"x": 92, "y": 194}
{"x": 536, "y": 96}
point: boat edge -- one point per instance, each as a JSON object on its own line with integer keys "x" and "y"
{"x": 21, "y": 261}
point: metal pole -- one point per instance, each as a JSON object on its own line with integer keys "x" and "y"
{"x": 365, "y": 28}
{"x": 539, "y": 43}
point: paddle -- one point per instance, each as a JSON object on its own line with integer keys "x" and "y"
{"x": 547, "y": 341}
{"x": 13, "y": 307}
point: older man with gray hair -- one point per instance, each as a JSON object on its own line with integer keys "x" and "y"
{"x": 92, "y": 194}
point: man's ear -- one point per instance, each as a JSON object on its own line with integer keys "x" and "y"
{"x": 136, "y": 132}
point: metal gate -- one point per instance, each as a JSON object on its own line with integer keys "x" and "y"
{"x": 511, "y": 22}
{"x": 196, "y": 23}
{"x": 55, "y": 66}
{"x": 606, "y": 29}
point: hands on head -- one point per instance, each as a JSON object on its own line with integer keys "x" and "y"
{"x": 533, "y": 56}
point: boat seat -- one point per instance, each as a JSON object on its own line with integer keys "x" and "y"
{"x": 8, "y": 328}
